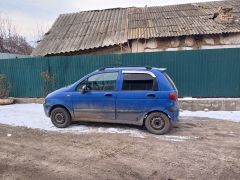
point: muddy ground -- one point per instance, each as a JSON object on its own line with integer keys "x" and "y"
{"x": 211, "y": 152}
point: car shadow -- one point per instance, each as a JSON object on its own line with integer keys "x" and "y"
{"x": 142, "y": 129}
{"x": 110, "y": 125}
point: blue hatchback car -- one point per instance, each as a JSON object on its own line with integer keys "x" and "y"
{"x": 141, "y": 96}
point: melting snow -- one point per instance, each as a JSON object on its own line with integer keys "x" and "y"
{"x": 32, "y": 116}
{"x": 222, "y": 115}
{"x": 174, "y": 138}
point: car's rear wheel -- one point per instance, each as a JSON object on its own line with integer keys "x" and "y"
{"x": 158, "y": 123}
{"x": 60, "y": 117}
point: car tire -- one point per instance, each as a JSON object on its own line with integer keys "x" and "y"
{"x": 158, "y": 123}
{"x": 60, "y": 117}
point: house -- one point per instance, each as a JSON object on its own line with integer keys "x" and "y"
{"x": 12, "y": 56}
{"x": 161, "y": 28}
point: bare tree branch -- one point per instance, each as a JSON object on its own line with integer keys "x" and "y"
{"x": 10, "y": 40}
{"x": 41, "y": 30}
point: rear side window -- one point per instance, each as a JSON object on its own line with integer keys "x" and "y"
{"x": 170, "y": 81}
{"x": 138, "y": 82}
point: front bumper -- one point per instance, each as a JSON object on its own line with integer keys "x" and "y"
{"x": 47, "y": 109}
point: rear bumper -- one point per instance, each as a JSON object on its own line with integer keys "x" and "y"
{"x": 173, "y": 112}
{"x": 174, "y": 117}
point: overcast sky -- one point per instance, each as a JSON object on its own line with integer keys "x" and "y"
{"x": 29, "y": 15}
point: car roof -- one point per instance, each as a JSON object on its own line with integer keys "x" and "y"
{"x": 140, "y": 68}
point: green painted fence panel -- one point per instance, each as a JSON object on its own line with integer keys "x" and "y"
{"x": 200, "y": 73}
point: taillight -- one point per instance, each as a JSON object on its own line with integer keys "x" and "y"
{"x": 173, "y": 96}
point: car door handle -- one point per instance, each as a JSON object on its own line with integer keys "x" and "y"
{"x": 151, "y": 95}
{"x": 108, "y": 94}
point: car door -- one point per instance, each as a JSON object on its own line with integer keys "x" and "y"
{"x": 137, "y": 95}
{"x": 97, "y": 103}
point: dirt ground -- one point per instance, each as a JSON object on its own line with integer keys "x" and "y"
{"x": 211, "y": 152}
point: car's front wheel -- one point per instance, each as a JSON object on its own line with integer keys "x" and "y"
{"x": 60, "y": 117}
{"x": 158, "y": 123}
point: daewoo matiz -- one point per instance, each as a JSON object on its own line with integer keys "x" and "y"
{"x": 128, "y": 95}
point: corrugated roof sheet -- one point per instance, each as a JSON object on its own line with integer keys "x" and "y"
{"x": 85, "y": 30}
{"x": 101, "y": 28}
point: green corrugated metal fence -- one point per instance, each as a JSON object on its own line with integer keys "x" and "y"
{"x": 200, "y": 73}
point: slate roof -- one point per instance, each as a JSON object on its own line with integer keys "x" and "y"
{"x": 101, "y": 28}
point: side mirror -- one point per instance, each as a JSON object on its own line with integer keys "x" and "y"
{"x": 84, "y": 88}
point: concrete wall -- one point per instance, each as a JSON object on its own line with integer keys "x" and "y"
{"x": 186, "y": 43}
{"x": 214, "y": 104}
{"x": 217, "y": 104}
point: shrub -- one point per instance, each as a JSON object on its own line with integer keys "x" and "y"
{"x": 49, "y": 82}
{"x": 5, "y": 87}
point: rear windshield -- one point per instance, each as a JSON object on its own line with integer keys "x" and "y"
{"x": 170, "y": 80}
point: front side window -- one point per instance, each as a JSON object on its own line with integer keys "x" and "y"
{"x": 138, "y": 82}
{"x": 100, "y": 82}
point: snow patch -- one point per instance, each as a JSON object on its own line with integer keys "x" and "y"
{"x": 32, "y": 116}
{"x": 174, "y": 138}
{"x": 221, "y": 115}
